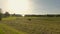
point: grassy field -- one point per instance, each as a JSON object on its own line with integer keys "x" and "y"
{"x": 37, "y": 25}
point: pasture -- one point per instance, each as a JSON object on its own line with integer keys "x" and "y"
{"x": 30, "y": 25}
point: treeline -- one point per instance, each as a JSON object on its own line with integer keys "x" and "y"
{"x": 7, "y": 14}
{"x": 48, "y": 15}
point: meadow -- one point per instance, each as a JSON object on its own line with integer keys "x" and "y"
{"x": 37, "y": 25}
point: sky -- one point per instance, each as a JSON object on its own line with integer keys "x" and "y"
{"x": 31, "y": 6}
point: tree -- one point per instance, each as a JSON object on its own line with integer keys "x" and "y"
{"x": 7, "y": 14}
{"x": 0, "y": 14}
{"x": 13, "y": 14}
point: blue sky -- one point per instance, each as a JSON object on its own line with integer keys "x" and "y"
{"x": 37, "y": 6}
{"x": 47, "y": 6}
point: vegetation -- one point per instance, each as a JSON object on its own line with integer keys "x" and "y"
{"x": 5, "y": 29}
{"x": 37, "y": 25}
{"x": 47, "y": 15}
{"x": 0, "y": 14}
{"x": 6, "y": 14}
{"x": 29, "y": 24}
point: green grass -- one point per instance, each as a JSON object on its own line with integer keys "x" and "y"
{"x": 9, "y": 18}
{"x": 37, "y": 25}
{"x": 5, "y": 29}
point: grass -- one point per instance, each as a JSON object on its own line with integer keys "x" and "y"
{"x": 9, "y": 18}
{"x": 5, "y": 29}
{"x": 37, "y": 25}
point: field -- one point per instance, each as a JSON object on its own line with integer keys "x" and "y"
{"x": 36, "y": 25}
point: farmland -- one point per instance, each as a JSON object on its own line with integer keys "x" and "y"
{"x": 37, "y": 25}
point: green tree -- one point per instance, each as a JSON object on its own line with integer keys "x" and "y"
{"x": 0, "y": 14}
{"x": 6, "y": 14}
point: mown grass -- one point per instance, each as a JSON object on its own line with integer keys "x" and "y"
{"x": 37, "y": 25}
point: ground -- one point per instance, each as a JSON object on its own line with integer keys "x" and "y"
{"x": 36, "y": 25}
